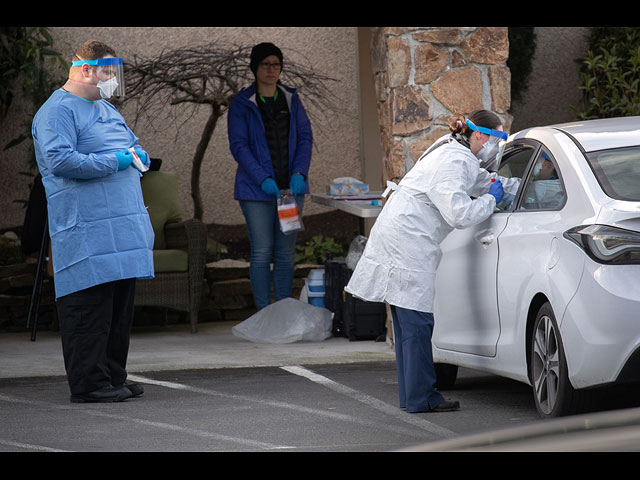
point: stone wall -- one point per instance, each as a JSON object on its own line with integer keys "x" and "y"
{"x": 425, "y": 75}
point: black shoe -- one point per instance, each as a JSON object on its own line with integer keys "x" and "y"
{"x": 135, "y": 388}
{"x": 104, "y": 395}
{"x": 447, "y": 406}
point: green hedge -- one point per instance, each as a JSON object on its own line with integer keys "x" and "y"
{"x": 610, "y": 74}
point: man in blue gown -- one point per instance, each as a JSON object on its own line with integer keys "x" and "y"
{"x": 101, "y": 235}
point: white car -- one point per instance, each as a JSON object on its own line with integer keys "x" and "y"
{"x": 547, "y": 290}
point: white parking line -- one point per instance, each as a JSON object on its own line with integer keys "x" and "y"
{"x": 163, "y": 425}
{"x": 371, "y": 401}
{"x": 424, "y": 425}
{"x": 28, "y": 446}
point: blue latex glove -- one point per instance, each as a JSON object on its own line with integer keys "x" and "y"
{"x": 496, "y": 190}
{"x": 296, "y": 184}
{"x": 269, "y": 187}
{"x": 124, "y": 158}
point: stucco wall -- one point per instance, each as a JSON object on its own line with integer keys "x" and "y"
{"x": 554, "y": 79}
{"x": 330, "y": 50}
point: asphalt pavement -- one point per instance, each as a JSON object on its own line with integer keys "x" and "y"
{"x": 209, "y": 391}
{"x": 215, "y": 392}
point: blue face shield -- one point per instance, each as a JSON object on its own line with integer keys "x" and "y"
{"x": 110, "y": 74}
{"x": 496, "y": 134}
{"x": 491, "y": 152}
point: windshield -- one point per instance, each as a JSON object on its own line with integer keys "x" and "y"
{"x": 618, "y": 172}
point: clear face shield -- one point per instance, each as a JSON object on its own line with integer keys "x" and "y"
{"x": 491, "y": 152}
{"x": 110, "y": 73}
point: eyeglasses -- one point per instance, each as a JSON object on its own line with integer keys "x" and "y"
{"x": 267, "y": 65}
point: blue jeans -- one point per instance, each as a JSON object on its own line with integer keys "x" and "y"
{"x": 268, "y": 244}
{"x": 414, "y": 359}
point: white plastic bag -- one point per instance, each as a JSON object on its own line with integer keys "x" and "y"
{"x": 356, "y": 247}
{"x": 286, "y": 321}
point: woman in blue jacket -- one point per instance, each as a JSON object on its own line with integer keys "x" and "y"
{"x": 270, "y": 138}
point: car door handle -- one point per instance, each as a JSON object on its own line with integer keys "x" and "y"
{"x": 485, "y": 238}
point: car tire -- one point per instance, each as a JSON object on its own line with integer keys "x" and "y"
{"x": 446, "y": 375}
{"x": 552, "y": 391}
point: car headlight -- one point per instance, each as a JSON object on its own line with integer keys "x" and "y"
{"x": 606, "y": 244}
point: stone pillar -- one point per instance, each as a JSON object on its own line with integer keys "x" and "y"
{"x": 425, "y": 75}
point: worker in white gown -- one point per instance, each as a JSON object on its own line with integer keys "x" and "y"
{"x": 446, "y": 189}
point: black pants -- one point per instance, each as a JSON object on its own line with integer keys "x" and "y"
{"x": 95, "y": 325}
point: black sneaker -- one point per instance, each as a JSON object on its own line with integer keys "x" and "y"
{"x": 104, "y": 395}
{"x": 447, "y": 406}
{"x": 135, "y": 388}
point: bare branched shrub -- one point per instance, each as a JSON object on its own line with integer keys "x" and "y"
{"x": 168, "y": 90}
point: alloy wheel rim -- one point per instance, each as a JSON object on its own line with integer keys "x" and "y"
{"x": 546, "y": 364}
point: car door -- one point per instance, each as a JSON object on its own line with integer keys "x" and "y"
{"x": 531, "y": 247}
{"x": 466, "y": 304}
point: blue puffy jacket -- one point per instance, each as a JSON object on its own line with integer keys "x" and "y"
{"x": 249, "y": 148}
{"x": 99, "y": 226}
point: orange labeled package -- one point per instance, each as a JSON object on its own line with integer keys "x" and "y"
{"x": 289, "y": 214}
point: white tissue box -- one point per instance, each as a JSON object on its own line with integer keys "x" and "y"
{"x": 347, "y": 188}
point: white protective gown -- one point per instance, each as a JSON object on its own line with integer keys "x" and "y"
{"x": 402, "y": 254}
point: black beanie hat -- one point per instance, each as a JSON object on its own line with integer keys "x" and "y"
{"x": 262, "y": 51}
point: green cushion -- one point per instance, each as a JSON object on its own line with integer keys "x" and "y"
{"x": 170, "y": 261}
{"x": 160, "y": 193}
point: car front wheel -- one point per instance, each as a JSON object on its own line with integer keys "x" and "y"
{"x": 554, "y": 396}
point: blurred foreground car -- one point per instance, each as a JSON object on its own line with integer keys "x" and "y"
{"x": 547, "y": 290}
{"x": 615, "y": 431}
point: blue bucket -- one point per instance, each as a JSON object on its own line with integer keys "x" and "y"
{"x": 317, "y": 301}
{"x": 314, "y": 285}
{"x": 315, "y": 280}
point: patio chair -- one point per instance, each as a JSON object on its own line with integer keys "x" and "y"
{"x": 179, "y": 251}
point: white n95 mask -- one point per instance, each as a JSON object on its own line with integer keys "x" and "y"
{"x": 107, "y": 87}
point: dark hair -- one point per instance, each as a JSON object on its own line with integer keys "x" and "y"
{"x": 481, "y": 118}
{"x": 93, "y": 49}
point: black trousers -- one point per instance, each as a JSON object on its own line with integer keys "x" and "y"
{"x": 95, "y": 326}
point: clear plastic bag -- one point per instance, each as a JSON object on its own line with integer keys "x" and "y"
{"x": 356, "y": 247}
{"x": 289, "y": 213}
{"x": 286, "y": 321}
{"x": 137, "y": 162}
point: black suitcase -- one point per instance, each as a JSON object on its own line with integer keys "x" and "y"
{"x": 336, "y": 277}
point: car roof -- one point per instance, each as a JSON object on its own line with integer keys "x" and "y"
{"x": 602, "y": 134}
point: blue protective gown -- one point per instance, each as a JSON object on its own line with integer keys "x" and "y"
{"x": 99, "y": 227}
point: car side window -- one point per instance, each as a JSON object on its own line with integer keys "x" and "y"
{"x": 514, "y": 164}
{"x": 544, "y": 189}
